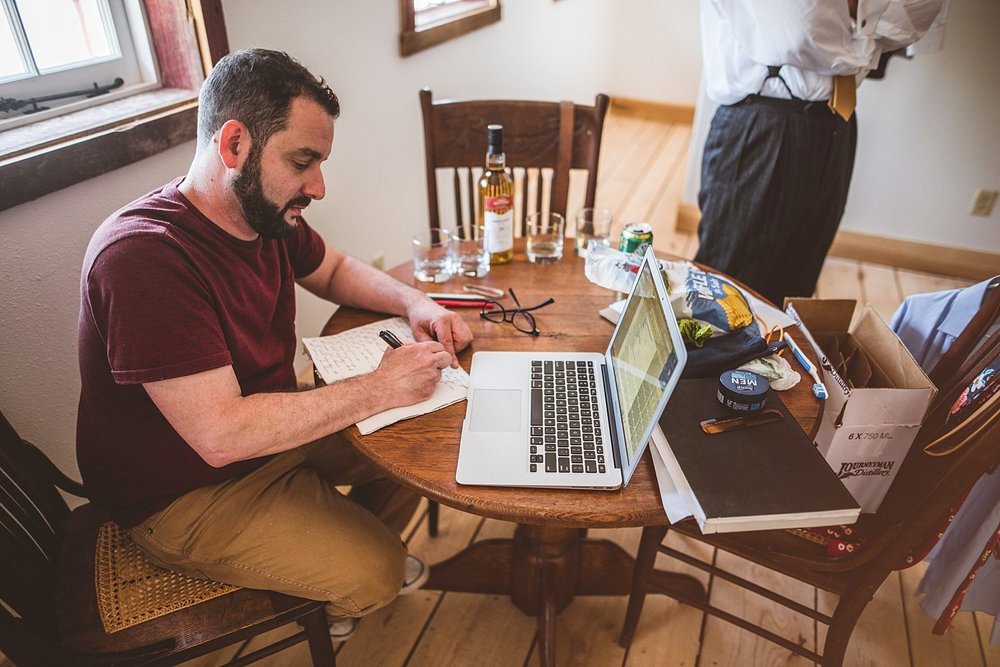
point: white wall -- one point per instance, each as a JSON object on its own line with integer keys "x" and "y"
{"x": 43, "y": 245}
{"x": 928, "y": 138}
{"x": 654, "y": 50}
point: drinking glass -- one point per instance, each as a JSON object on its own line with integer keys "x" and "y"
{"x": 468, "y": 252}
{"x": 592, "y": 224}
{"x": 431, "y": 263}
{"x": 545, "y": 237}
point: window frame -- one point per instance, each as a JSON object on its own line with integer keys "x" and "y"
{"x": 79, "y": 155}
{"x": 135, "y": 63}
{"x": 466, "y": 16}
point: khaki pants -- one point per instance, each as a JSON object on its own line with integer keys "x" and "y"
{"x": 284, "y": 527}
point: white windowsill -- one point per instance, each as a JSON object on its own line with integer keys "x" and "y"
{"x": 44, "y": 133}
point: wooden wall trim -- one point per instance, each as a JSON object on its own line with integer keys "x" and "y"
{"x": 671, "y": 113}
{"x": 688, "y": 217}
{"x": 916, "y": 256}
{"x": 911, "y": 255}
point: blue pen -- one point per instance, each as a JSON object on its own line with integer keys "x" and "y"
{"x": 390, "y": 338}
{"x": 819, "y": 389}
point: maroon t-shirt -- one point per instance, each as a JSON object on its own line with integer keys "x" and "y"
{"x": 166, "y": 293}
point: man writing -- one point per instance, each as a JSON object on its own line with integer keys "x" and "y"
{"x": 190, "y": 430}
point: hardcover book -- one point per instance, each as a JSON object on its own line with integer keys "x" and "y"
{"x": 761, "y": 477}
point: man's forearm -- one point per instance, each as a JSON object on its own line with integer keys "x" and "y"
{"x": 354, "y": 283}
{"x": 263, "y": 424}
{"x": 222, "y": 426}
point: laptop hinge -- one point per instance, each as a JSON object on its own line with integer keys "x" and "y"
{"x": 612, "y": 427}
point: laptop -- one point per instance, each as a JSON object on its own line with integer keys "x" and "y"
{"x": 574, "y": 420}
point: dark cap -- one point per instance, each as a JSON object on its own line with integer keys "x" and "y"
{"x": 494, "y": 134}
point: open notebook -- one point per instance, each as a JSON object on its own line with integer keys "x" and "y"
{"x": 359, "y": 350}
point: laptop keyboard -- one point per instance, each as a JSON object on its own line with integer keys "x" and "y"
{"x": 565, "y": 418}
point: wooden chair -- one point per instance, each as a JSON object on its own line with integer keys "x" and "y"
{"x": 908, "y": 521}
{"x": 50, "y": 614}
{"x": 543, "y": 142}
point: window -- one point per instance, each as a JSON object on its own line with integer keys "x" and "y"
{"x": 429, "y": 22}
{"x": 51, "y": 48}
{"x": 160, "y": 103}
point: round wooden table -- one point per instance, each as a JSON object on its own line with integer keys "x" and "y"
{"x": 550, "y": 559}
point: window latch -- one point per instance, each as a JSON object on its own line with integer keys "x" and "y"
{"x": 8, "y": 104}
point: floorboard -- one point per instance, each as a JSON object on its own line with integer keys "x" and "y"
{"x": 726, "y": 644}
{"x": 991, "y": 652}
{"x": 879, "y": 638}
{"x": 958, "y": 647}
{"x": 879, "y": 289}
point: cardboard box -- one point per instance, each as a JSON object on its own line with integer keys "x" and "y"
{"x": 878, "y": 395}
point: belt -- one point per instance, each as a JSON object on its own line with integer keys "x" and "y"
{"x": 799, "y": 106}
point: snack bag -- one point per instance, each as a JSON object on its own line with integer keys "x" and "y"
{"x": 705, "y": 304}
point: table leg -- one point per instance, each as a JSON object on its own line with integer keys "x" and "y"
{"x": 483, "y": 567}
{"x": 547, "y": 618}
{"x": 543, "y": 568}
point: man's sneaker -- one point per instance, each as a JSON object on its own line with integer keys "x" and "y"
{"x": 342, "y": 629}
{"x": 414, "y": 575}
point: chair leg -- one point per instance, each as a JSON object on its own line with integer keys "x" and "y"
{"x": 318, "y": 635}
{"x": 846, "y": 616}
{"x": 432, "y": 517}
{"x": 644, "y": 561}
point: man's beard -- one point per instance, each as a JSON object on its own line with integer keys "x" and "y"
{"x": 266, "y": 218}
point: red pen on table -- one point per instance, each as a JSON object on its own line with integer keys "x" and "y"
{"x": 462, "y": 303}
{"x": 460, "y": 300}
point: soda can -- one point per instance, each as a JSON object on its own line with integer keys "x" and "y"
{"x": 636, "y": 237}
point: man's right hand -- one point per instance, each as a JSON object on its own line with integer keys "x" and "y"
{"x": 412, "y": 371}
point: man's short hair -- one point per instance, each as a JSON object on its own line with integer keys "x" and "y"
{"x": 256, "y": 87}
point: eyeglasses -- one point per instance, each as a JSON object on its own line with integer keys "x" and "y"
{"x": 520, "y": 317}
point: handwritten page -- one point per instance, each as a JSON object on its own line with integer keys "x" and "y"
{"x": 360, "y": 350}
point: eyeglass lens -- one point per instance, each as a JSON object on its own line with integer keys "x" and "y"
{"x": 519, "y": 317}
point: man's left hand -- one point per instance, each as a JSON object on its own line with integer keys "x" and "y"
{"x": 430, "y": 321}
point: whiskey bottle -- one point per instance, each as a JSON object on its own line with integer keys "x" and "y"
{"x": 496, "y": 200}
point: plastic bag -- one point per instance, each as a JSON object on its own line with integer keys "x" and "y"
{"x": 705, "y": 304}
{"x": 715, "y": 304}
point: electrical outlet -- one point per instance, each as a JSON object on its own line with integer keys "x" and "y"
{"x": 983, "y": 202}
{"x": 378, "y": 260}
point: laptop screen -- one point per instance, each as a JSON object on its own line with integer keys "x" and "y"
{"x": 644, "y": 359}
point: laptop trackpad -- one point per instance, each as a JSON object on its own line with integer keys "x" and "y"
{"x": 496, "y": 410}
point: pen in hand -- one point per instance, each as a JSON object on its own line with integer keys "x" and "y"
{"x": 390, "y": 338}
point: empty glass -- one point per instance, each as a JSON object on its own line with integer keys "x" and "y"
{"x": 545, "y": 237}
{"x": 468, "y": 252}
{"x": 431, "y": 263}
{"x": 592, "y": 224}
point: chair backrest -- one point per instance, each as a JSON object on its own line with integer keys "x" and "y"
{"x": 948, "y": 366}
{"x": 543, "y": 141}
{"x": 927, "y": 487}
{"x": 31, "y": 511}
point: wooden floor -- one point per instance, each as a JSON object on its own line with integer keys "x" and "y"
{"x": 642, "y": 169}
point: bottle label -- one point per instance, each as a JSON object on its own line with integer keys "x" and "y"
{"x": 498, "y": 219}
